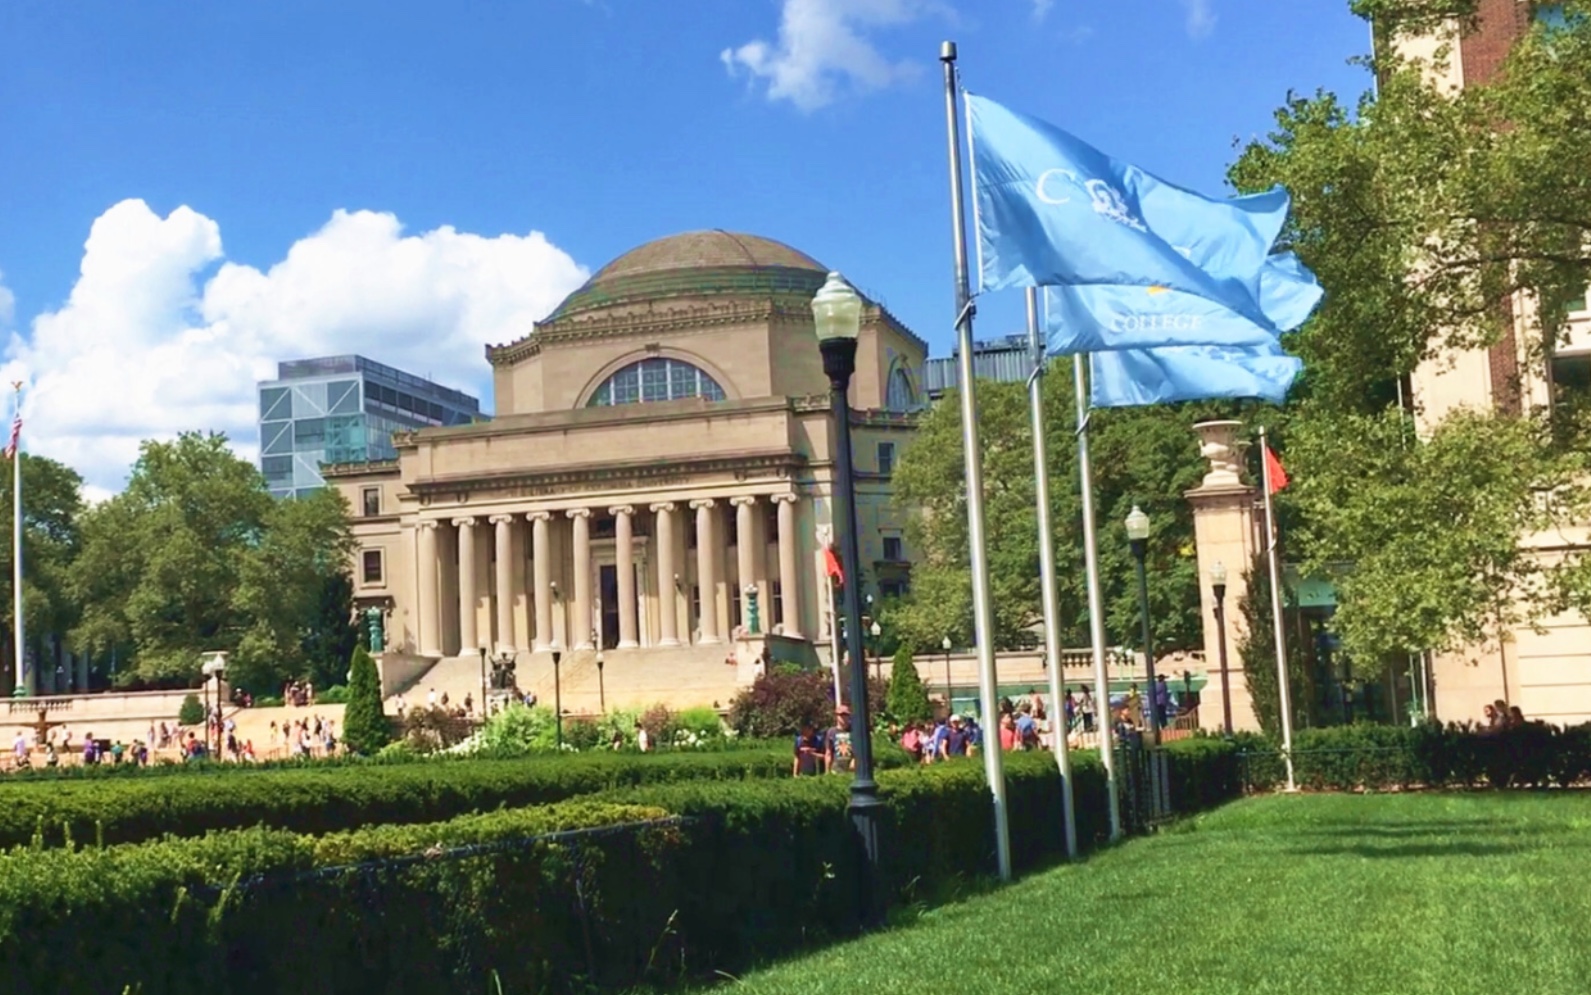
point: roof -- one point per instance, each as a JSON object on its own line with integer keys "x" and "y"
{"x": 695, "y": 263}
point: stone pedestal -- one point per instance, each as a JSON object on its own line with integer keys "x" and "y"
{"x": 1224, "y": 532}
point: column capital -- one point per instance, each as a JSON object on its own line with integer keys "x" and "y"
{"x": 538, "y": 516}
{"x": 701, "y": 503}
{"x": 787, "y": 497}
{"x": 465, "y": 521}
{"x": 622, "y": 509}
{"x": 426, "y": 523}
{"x": 501, "y": 519}
{"x": 661, "y": 506}
{"x": 743, "y": 501}
{"x": 578, "y": 513}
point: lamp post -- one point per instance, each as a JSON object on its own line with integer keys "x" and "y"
{"x": 1138, "y": 537}
{"x": 1218, "y": 586}
{"x": 602, "y": 690}
{"x": 837, "y": 317}
{"x": 557, "y": 692}
{"x": 877, "y": 632}
{"x": 944, "y": 644}
{"x": 212, "y": 669}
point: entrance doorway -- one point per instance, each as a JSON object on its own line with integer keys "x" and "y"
{"x": 608, "y": 592}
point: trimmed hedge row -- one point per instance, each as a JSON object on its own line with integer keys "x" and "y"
{"x": 760, "y": 868}
{"x": 323, "y": 800}
{"x": 1376, "y": 757}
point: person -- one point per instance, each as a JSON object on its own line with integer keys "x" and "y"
{"x": 642, "y": 740}
{"x": 51, "y": 758}
{"x": 1008, "y": 737}
{"x": 1086, "y": 706}
{"x": 808, "y": 756}
{"x": 1516, "y": 718}
{"x": 837, "y": 742}
{"x": 430, "y": 698}
{"x": 912, "y": 742}
{"x": 955, "y": 741}
{"x": 1027, "y": 730}
{"x": 1135, "y": 704}
{"x": 469, "y": 703}
{"x": 1491, "y": 719}
{"x": 1162, "y": 700}
{"x": 934, "y": 748}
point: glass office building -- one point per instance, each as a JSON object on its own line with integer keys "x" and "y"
{"x": 344, "y": 409}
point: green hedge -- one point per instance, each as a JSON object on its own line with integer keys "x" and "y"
{"x": 321, "y": 800}
{"x": 760, "y": 868}
{"x": 1376, "y": 757}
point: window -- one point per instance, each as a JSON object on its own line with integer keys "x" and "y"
{"x": 886, "y": 458}
{"x": 892, "y": 589}
{"x": 893, "y": 551}
{"x": 656, "y": 380}
{"x": 372, "y": 501}
{"x": 370, "y": 562}
{"x": 898, "y": 393}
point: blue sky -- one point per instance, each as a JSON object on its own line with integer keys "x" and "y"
{"x": 447, "y": 134}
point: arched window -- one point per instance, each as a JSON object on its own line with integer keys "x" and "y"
{"x": 656, "y": 380}
{"x": 898, "y": 393}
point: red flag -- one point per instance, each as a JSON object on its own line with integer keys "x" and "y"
{"x": 16, "y": 437}
{"x": 831, "y": 565}
{"x": 1273, "y": 470}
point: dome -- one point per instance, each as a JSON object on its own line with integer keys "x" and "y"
{"x": 697, "y": 263}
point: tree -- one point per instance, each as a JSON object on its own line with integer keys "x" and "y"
{"x": 1144, "y": 456}
{"x": 365, "y": 727}
{"x": 192, "y": 712}
{"x": 1257, "y": 649}
{"x": 908, "y": 698}
{"x": 52, "y": 505}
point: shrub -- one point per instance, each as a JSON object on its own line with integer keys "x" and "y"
{"x": 517, "y": 730}
{"x": 429, "y": 730}
{"x": 365, "y": 728}
{"x": 780, "y": 701}
{"x": 698, "y": 728}
{"x": 192, "y": 712}
{"x": 336, "y": 695}
{"x": 908, "y": 698}
{"x": 658, "y": 721}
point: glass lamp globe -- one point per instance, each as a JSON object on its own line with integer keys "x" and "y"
{"x": 1218, "y": 574}
{"x": 837, "y": 310}
{"x": 1137, "y": 524}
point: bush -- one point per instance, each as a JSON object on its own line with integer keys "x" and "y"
{"x": 1376, "y": 757}
{"x": 780, "y": 701}
{"x": 518, "y": 730}
{"x": 430, "y": 730}
{"x": 908, "y": 698}
{"x": 365, "y": 727}
{"x": 336, "y": 695}
{"x": 317, "y": 799}
{"x": 192, "y": 712}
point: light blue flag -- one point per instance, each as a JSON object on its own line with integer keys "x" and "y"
{"x": 1105, "y": 318}
{"x": 1136, "y": 377}
{"x": 1053, "y": 210}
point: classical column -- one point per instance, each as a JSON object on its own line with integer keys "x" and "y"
{"x": 789, "y": 575}
{"x": 505, "y": 582}
{"x": 667, "y": 593}
{"x": 430, "y": 599}
{"x": 624, "y": 565}
{"x": 745, "y": 558}
{"x": 581, "y": 637}
{"x": 706, "y": 571}
{"x": 541, "y": 573}
{"x": 469, "y": 640}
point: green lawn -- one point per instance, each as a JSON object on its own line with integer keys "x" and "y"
{"x": 1403, "y": 894}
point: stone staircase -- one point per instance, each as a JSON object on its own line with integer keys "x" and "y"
{"x": 679, "y": 677}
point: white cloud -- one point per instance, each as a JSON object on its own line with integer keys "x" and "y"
{"x": 1201, "y": 18}
{"x": 1041, "y": 9}
{"x": 823, "y": 49}
{"x": 145, "y": 348}
{"x": 8, "y": 304}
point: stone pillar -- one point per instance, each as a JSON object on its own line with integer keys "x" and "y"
{"x": 469, "y": 639}
{"x": 746, "y": 556}
{"x": 1223, "y": 530}
{"x": 430, "y": 598}
{"x": 505, "y": 582}
{"x": 624, "y": 566}
{"x": 667, "y": 588}
{"x": 707, "y": 570}
{"x": 789, "y": 558}
{"x": 580, "y": 639}
{"x": 541, "y": 573}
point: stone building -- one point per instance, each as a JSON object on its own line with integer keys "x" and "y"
{"x": 655, "y": 485}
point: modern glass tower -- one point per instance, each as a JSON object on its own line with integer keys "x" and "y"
{"x": 344, "y": 409}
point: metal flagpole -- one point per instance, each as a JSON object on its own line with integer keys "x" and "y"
{"x": 982, "y": 616}
{"x": 26, "y": 679}
{"x": 1276, "y": 611}
{"x": 1052, "y": 610}
{"x": 834, "y": 642}
{"x": 1096, "y": 601}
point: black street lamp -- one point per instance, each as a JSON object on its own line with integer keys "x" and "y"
{"x": 837, "y": 317}
{"x": 602, "y": 692}
{"x": 1138, "y": 537}
{"x": 1218, "y": 585}
{"x": 557, "y": 692}
{"x": 944, "y": 644}
{"x": 877, "y": 632}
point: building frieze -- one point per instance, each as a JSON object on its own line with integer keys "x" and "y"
{"x": 634, "y": 475}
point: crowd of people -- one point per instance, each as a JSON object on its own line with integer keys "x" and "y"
{"x": 1500, "y": 716}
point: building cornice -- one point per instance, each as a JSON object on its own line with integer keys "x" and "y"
{"x": 372, "y": 468}
{"x": 611, "y": 475}
{"x": 672, "y": 321}
{"x": 685, "y": 409}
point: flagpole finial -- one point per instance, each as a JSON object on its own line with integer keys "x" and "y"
{"x": 947, "y": 51}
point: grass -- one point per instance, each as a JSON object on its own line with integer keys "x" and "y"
{"x": 1405, "y": 894}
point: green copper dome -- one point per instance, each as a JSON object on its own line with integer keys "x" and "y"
{"x": 694, "y": 264}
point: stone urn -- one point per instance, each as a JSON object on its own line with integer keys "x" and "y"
{"x": 1219, "y": 443}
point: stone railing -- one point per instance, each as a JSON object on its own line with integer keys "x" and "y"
{"x": 110, "y": 705}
